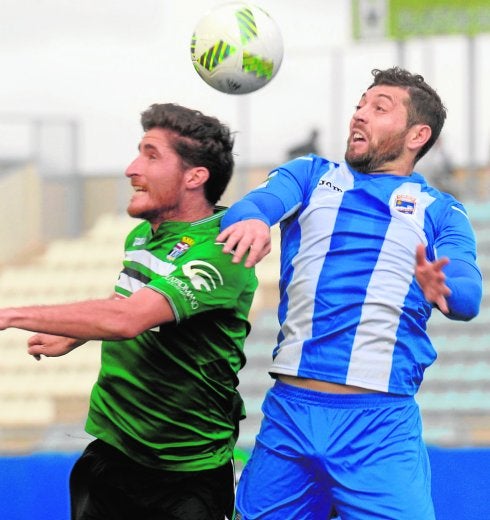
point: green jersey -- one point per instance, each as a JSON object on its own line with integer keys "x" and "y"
{"x": 167, "y": 398}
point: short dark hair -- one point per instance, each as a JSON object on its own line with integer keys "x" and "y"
{"x": 425, "y": 105}
{"x": 199, "y": 140}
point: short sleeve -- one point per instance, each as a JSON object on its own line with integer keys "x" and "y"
{"x": 204, "y": 280}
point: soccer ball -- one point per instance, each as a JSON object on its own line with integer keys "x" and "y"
{"x": 236, "y": 48}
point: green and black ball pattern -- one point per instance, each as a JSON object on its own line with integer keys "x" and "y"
{"x": 251, "y": 63}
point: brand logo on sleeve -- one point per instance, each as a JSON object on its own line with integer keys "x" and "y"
{"x": 202, "y": 275}
{"x": 139, "y": 241}
{"x": 184, "y": 290}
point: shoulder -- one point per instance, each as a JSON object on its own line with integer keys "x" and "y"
{"x": 307, "y": 169}
{"x": 310, "y": 161}
{"x": 444, "y": 202}
{"x": 139, "y": 233}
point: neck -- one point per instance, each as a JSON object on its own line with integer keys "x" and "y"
{"x": 392, "y": 169}
{"x": 188, "y": 213}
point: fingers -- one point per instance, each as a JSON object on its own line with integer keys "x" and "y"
{"x": 256, "y": 253}
{"x": 439, "y": 264}
{"x": 442, "y": 305}
{"x": 432, "y": 279}
{"x": 44, "y": 344}
{"x": 247, "y": 236}
{"x": 34, "y": 353}
{"x": 34, "y": 347}
{"x": 34, "y": 340}
{"x": 241, "y": 246}
{"x": 437, "y": 293}
{"x": 237, "y": 239}
{"x": 420, "y": 258}
{"x": 228, "y": 238}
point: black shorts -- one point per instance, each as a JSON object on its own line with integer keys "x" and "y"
{"x": 105, "y": 484}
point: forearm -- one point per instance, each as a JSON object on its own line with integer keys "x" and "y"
{"x": 97, "y": 319}
{"x": 465, "y": 284}
{"x": 256, "y": 205}
{"x": 464, "y": 301}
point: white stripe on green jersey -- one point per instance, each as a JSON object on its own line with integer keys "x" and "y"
{"x": 168, "y": 398}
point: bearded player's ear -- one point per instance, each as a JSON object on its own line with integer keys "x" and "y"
{"x": 196, "y": 177}
{"x": 417, "y": 136}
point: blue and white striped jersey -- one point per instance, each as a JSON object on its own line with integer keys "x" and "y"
{"x": 351, "y": 311}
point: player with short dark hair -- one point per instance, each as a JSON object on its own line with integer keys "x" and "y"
{"x": 165, "y": 408}
{"x": 368, "y": 250}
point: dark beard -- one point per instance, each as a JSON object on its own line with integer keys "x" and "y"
{"x": 370, "y": 162}
{"x": 373, "y": 159}
{"x": 153, "y": 215}
{"x": 144, "y": 215}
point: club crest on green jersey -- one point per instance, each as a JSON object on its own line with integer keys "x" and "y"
{"x": 180, "y": 248}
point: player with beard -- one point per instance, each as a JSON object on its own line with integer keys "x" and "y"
{"x": 165, "y": 409}
{"x": 368, "y": 250}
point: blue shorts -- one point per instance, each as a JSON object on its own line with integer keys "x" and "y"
{"x": 361, "y": 454}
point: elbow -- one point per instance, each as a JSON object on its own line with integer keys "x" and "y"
{"x": 124, "y": 328}
{"x": 464, "y": 302}
{"x": 473, "y": 311}
{"x": 470, "y": 313}
{"x": 461, "y": 317}
{"x": 466, "y": 312}
{"x": 125, "y": 334}
{"x": 126, "y": 321}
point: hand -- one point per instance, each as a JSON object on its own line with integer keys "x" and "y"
{"x": 432, "y": 279}
{"x": 251, "y": 235}
{"x": 51, "y": 346}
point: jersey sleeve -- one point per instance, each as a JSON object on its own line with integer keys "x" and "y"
{"x": 456, "y": 241}
{"x": 205, "y": 280}
{"x": 465, "y": 284}
{"x": 282, "y": 193}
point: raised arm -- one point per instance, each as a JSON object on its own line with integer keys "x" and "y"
{"x": 245, "y": 227}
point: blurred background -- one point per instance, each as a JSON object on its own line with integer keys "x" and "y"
{"x": 75, "y": 78}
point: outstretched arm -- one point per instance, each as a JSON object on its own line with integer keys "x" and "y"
{"x": 50, "y": 345}
{"x": 110, "y": 319}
